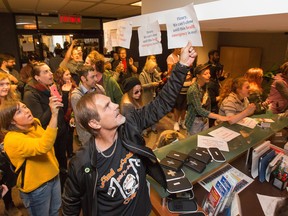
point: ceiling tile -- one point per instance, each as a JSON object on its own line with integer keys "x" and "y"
{"x": 51, "y": 5}
{"x": 76, "y": 7}
{"x": 17, "y": 5}
{"x": 112, "y": 10}
{"x": 101, "y": 8}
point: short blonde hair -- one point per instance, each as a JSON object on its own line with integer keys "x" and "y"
{"x": 149, "y": 65}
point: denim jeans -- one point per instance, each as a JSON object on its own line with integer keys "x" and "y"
{"x": 199, "y": 124}
{"x": 45, "y": 200}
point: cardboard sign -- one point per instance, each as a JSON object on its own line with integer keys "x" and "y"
{"x": 183, "y": 26}
{"x": 150, "y": 39}
{"x": 124, "y": 34}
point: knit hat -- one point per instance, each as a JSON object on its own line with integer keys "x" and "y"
{"x": 200, "y": 68}
{"x": 129, "y": 83}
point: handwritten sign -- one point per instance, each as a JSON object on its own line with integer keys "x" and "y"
{"x": 181, "y": 23}
{"x": 150, "y": 39}
{"x": 183, "y": 26}
{"x": 123, "y": 34}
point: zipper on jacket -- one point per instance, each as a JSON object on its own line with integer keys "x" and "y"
{"x": 153, "y": 156}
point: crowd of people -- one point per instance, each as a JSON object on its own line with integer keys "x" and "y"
{"x": 112, "y": 104}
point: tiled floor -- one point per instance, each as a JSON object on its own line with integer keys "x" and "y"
{"x": 165, "y": 123}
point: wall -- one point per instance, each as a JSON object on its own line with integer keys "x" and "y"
{"x": 273, "y": 45}
{"x": 210, "y": 41}
{"x": 8, "y": 37}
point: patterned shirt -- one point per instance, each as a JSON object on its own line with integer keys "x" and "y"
{"x": 232, "y": 105}
{"x": 198, "y": 105}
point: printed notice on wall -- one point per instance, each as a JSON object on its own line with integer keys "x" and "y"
{"x": 183, "y": 26}
{"x": 123, "y": 34}
{"x": 150, "y": 39}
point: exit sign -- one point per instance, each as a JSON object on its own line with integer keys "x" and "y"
{"x": 69, "y": 19}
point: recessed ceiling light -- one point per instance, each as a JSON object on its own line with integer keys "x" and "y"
{"x": 139, "y": 4}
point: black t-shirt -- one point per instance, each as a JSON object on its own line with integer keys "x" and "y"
{"x": 121, "y": 186}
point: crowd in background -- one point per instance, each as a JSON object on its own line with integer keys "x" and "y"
{"x": 208, "y": 97}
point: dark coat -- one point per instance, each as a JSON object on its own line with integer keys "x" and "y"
{"x": 36, "y": 99}
{"x": 80, "y": 188}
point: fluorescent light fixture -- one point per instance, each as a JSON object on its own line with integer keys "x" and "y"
{"x": 139, "y": 4}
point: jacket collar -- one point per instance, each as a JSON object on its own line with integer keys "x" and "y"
{"x": 39, "y": 86}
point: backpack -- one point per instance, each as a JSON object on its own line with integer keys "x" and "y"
{"x": 8, "y": 172}
{"x": 167, "y": 137}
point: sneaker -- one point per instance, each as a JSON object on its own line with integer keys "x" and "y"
{"x": 13, "y": 211}
{"x": 176, "y": 126}
{"x": 183, "y": 125}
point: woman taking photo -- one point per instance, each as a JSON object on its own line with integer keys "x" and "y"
{"x": 28, "y": 144}
{"x": 36, "y": 97}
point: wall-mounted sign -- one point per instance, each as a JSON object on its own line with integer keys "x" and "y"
{"x": 70, "y": 19}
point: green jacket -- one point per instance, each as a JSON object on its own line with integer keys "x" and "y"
{"x": 112, "y": 88}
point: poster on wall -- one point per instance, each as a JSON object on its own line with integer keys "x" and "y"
{"x": 150, "y": 39}
{"x": 124, "y": 34}
{"x": 183, "y": 26}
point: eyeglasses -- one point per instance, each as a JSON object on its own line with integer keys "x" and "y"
{"x": 138, "y": 91}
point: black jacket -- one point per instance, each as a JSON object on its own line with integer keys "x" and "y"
{"x": 36, "y": 98}
{"x": 80, "y": 188}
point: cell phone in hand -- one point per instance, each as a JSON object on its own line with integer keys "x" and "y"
{"x": 54, "y": 91}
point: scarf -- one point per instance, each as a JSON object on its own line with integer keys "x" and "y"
{"x": 39, "y": 86}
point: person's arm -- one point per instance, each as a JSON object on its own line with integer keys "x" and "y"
{"x": 132, "y": 66}
{"x": 195, "y": 99}
{"x": 164, "y": 102}
{"x": 71, "y": 197}
{"x": 219, "y": 117}
{"x": 230, "y": 110}
{"x": 146, "y": 85}
{"x": 282, "y": 88}
{"x": 32, "y": 101}
{"x": 67, "y": 56}
{"x": 54, "y": 105}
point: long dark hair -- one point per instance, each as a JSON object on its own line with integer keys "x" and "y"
{"x": 7, "y": 112}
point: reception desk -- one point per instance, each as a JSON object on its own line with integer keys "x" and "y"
{"x": 237, "y": 147}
